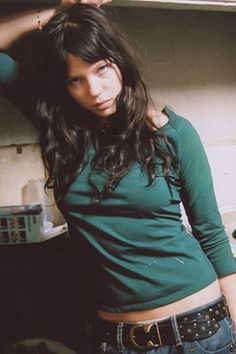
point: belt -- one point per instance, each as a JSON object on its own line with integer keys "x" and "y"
{"x": 191, "y": 326}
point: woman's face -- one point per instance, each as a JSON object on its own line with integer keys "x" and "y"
{"x": 94, "y": 87}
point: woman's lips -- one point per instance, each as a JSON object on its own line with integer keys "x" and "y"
{"x": 104, "y": 104}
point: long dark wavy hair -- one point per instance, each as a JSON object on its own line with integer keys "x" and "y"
{"x": 67, "y": 130}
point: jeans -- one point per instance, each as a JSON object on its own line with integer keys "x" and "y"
{"x": 222, "y": 342}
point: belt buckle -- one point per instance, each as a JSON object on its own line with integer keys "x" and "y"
{"x": 146, "y": 328}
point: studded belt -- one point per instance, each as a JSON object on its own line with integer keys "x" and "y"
{"x": 192, "y": 326}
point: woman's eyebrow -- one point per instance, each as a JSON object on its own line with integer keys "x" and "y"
{"x": 73, "y": 76}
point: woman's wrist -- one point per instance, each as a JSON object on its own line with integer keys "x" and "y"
{"x": 42, "y": 16}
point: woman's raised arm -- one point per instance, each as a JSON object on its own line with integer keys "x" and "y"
{"x": 14, "y": 27}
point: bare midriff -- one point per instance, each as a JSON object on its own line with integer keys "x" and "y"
{"x": 202, "y": 297}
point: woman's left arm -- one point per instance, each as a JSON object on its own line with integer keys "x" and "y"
{"x": 228, "y": 287}
{"x": 202, "y": 210}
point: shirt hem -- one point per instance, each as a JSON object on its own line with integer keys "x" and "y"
{"x": 148, "y": 305}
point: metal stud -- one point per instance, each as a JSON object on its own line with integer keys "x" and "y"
{"x": 196, "y": 335}
{"x": 185, "y": 319}
{"x": 207, "y": 317}
{"x": 231, "y": 347}
{"x": 189, "y": 330}
{"x": 203, "y": 328}
{"x": 210, "y": 332}
{"x": 195, "y": 325}
{"x": 210, "y": 310}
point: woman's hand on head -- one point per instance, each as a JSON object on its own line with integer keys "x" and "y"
{"x": 96, "y": 3}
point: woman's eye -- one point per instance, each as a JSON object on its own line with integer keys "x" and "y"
{"x": 75, "y": 81}
{"x": 103, "y": 68}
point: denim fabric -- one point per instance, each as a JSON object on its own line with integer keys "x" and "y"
{"x": 222, "y": 342}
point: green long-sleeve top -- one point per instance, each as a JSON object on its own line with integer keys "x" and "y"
{"x": 143, "y": 257}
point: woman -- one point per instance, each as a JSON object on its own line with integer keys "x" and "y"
{"x": 120, "y": 168}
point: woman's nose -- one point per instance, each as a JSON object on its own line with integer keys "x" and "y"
{"x": 94, "y": 87}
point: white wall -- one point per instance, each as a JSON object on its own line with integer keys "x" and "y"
{"x": 190, "y": 60}
{"x": 15, "y": 128}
